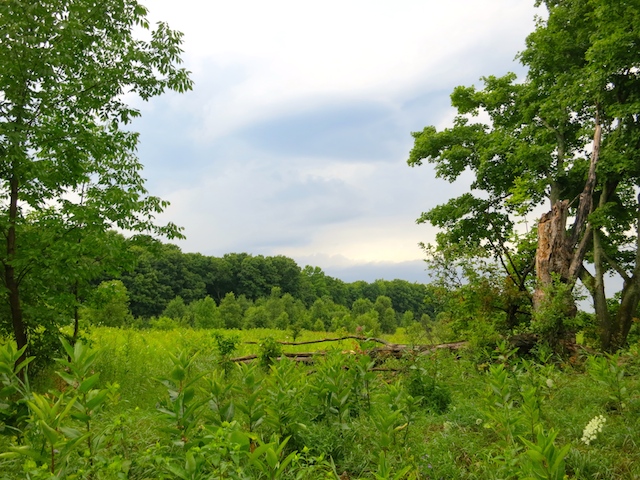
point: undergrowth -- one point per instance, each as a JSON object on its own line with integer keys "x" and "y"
{"x": 127, "y": 405}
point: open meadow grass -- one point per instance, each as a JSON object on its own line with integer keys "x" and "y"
{"x": 169, "y": 406}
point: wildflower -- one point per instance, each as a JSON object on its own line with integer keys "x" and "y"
{"x": 592, "y": 429}
{"x": 549, "y": 383}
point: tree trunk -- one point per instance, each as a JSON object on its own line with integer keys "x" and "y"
{"x": 614, "y": 332}
{"x": 554, "y": 252}
{"x": 10, "y": 277}
{"x": 560, "y": 255}
{"x": 599, "y": 297}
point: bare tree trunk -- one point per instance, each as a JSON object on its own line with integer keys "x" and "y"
{"x": 559, "y": 254}
{"x": 554, "y": 252}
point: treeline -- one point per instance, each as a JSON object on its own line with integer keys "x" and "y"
{"x": 240, "y": 290}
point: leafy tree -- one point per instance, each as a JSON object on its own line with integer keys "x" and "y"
{"x": 179, "y": 272}
{"x": 288, "y": 274}
{"x": 567, "y": 135}
{"x": 148, "y": 295}
{"x": 256, "y": 317}
{"x": 109, "y": 305}
{"x": 205, "y": 313}
{"x": 230, "y": 311}
{"x": 386, "y": 314}
{"x": 361, "y": 306}
{"x": 318, "y": 282}
{"x": 176, "y": 309}
{"x": 69, "y": 171}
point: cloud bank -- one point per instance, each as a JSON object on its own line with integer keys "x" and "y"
{"x": 295, "y": 138}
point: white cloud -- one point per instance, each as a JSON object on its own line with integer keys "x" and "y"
{"x": 295, "y": 137}
{"x": 288, "y": 55}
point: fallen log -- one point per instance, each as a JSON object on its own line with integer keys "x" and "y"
{"x": 395, "y": 350}
{"x": 324, "y": 340}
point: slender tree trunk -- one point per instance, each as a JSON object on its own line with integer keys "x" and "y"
{"x": 599, "y": 298}
{"x": 630, "y": 298}
{"x": 10, "y": 277}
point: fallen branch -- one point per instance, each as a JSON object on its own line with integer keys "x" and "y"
{"x": 389, "y": 349}
{"x": 324, "y": 340}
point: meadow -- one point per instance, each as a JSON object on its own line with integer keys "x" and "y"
{"x": 171, "y": 404}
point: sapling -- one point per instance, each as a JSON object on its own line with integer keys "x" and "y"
{"x": 14, "y": 390}
{"x": 181, "y": 407}
{"x": 250, "y": 402}
{"x": 226, "y": 346}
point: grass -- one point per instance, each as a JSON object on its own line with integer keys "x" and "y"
{"x": 472, "y": 439}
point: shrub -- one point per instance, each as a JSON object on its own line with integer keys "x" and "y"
{"x": 435, "y": 396}
{"x": 270, "y": 349}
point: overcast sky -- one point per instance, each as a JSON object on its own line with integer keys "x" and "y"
{"x": 295, "y": 137}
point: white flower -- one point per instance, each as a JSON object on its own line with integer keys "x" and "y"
{"x": 592, "y": 429}
{"x": 549, "y": 383}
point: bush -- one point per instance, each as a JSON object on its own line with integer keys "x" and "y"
{"x": 163, "y": 323}
{"x": 270, "y": 350}
{"x": 435, "y": 396}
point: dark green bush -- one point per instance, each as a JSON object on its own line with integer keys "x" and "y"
{"x": 435, "y": 396}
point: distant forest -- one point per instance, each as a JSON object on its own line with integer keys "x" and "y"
{"x": 240, "y": 290}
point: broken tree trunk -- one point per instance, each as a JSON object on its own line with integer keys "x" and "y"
{"x": 560, "y": 255}
{"x": 554, "y": 253}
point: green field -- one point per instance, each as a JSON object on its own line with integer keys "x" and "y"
{"x": 163, "y": 407}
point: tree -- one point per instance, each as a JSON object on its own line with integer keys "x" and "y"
{"x": 230, "y": 311}
{"x": 176, "y": 309}
{"x": 568, "y": 135}
{"x": 69, "y": 170}
{"x": 386, "y": 314}
{"x": 205, "y": 313}
{"x": 109, "y": 305}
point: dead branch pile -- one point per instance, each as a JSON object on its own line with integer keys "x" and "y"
{"x": 386, "y": 350}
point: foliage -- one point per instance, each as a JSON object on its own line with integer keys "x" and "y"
{"x": 432, "y": 395}
{"x": 109, "y": 305}
{"x": 552, "y": 317}
{"x": 270, "y": 350}
{"x": 226, "y": 346}
{"x": 609, "y": 372}
{"x": 512, "y": 418}
{"x": 70, "y": 174}
{"x": 565, "y": 136}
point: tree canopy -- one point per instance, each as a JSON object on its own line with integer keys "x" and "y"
{"x": 568, "y": 134}
{"x": 69, "y": 170}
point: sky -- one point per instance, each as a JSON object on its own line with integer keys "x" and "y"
{"x": 295, "y": 137}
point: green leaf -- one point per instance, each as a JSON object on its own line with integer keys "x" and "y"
{"x": 89, "y": 383}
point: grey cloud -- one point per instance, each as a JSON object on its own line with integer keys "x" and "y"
{"x": 353, "y": 131}
{"x": 317, "y": 201}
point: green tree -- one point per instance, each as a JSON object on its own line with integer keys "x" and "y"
{"x": 567, "y": 135}
{"x": 176, "y": 309}
{"x": 205, "y": 313}
{"x": 69, "y": 170}
{"x": 386, "y": 314}
{"x": 256, "y": 317}
{"x": 109, "y": 305}
{"x": 361, "y": 306}
{"x": 230, "y": 311}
